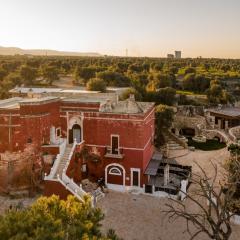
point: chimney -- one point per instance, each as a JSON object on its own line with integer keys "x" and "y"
{"x": 132, "y": 97}
{"x": 108, "y": 105}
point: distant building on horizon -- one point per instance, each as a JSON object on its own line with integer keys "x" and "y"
{"x": 170, "y": 56}
{"x": 178, "y": 54}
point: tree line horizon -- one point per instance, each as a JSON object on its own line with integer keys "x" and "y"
{"x": 150, "y": 79}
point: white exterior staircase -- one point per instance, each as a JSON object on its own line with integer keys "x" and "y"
{"x": 63, "y": 161}
{"x": 172, "y": 145}
{"x": 58, "y": 171}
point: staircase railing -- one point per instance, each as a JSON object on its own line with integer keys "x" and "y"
{"x": 218, "y": 132}
{"x": 73, "y": 188}
{"x": 68, "y": 182}
{"x": 176, "y": 139}
{"x": 62, "y": 148}
{"x": 70, "y": 156}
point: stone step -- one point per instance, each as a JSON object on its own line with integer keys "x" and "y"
{"x": 66, "y": 154}
{"x": 64, "y": 160}
{"x": 99, "y": 194}
{"x": 176, "y": 148}
{"x": 173, "y": 144}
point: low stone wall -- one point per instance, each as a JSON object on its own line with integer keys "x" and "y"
{"x": 15, "y": 168}
{"x": 212, "y": 133}
{"x": 234, "y": 133}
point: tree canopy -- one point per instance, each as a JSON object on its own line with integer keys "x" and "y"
{"x": 50, "y": 73}
{"x": 55, "y": 219}
{"x": 163, "y": 120}
{"x": 143, "y": 74}
{"x": 96, "y": 84}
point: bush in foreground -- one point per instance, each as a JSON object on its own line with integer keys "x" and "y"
{"x": 55, "y": 219}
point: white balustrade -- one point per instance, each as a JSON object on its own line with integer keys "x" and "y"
{"x": 57, "y": 161}
{"x": 68, "y": 183}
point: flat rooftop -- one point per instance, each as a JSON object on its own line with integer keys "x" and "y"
{"x": 14, "y": 103}
{"x": 37, "y": 90}
{"x": 127, "y": 107}
{"x": 83, "y": 100}
{"x": 10, "y": 103}
{"x": 37, "y": 100}
{"x": 227, "y": 111}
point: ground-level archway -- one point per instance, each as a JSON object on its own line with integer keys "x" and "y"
{"x": 75, "y": 133}
{"x": 188, "y": 132}
{"x": 115, "y": 176}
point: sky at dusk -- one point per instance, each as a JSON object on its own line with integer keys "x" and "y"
{"x": 207, "y": 28}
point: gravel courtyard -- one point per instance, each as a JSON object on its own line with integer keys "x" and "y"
{"x": 141, "y": 217}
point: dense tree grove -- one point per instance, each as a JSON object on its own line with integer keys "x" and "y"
{"x": 96, "y": 84}
{"x": 164, "y": 118}
{"x": 214, "y": 78}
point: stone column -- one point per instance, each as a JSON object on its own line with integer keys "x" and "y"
{"x": 166, "y": 175}
{"x": 176, "y": 131}
{"x": 226, "y": 124}
{"x": 219, "y": 123}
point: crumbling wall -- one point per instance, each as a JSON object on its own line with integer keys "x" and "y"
{"x": 196, "y": 122}
{"x": 20, "y": 170}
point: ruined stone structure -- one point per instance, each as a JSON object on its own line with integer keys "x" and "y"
{"x": 119, "y": 134}
{"x": 190, "y": 119}
{"x": 197, "y": 121}
{"x": 224, "y": 117}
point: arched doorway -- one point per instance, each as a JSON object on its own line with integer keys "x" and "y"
{"x": 188, "y": 132}
{"x": 75, "y": 133}
{"x": 115, "y": 176}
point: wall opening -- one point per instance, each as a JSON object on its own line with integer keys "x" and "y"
{"x": 75, "y": 133}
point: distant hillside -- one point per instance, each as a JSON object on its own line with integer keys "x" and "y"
{"x": 41, "y": 52}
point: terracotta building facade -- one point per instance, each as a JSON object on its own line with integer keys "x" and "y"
{"x": 119, "y": 134}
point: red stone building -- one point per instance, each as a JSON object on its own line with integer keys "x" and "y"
{"x": 117, "y": 136}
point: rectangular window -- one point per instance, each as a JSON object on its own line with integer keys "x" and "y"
{"x": 58, "y": 132}
{"x": 115, "y": 144}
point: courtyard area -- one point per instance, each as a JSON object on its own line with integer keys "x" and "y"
{"x": 142, "y": 217}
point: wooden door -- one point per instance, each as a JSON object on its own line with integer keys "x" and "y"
{"x": 135, "y": 178}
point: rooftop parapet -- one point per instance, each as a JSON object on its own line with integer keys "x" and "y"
{"x": 129, "y": 106}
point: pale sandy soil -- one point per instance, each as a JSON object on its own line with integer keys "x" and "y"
{"x": 204, "y": 159}
{"x": 65, "y": 82}
{"x": 141, "y": 217}
{"x": 6, "y": 202}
